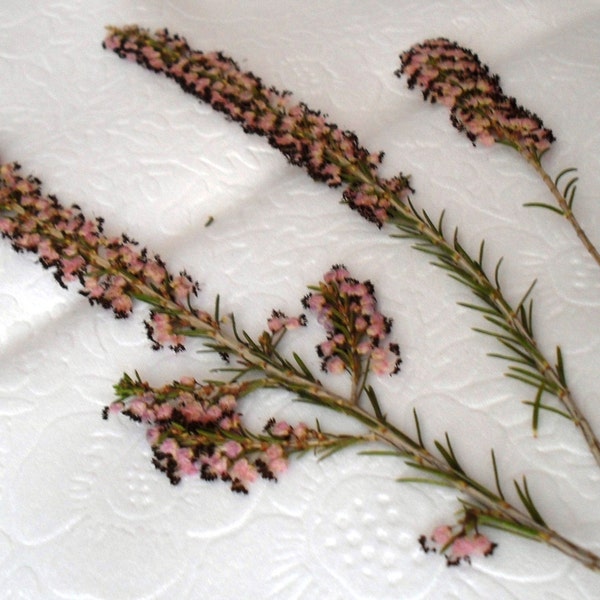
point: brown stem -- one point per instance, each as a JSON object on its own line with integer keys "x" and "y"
{"x": 563, "y": 204}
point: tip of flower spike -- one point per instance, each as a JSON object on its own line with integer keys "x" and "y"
{"x": 453, "y": 76}
{"x": 356, "y": 330}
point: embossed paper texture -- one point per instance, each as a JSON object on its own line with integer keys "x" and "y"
{"x": 83, "y": 512}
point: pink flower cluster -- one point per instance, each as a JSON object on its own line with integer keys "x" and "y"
{"x": 112, "y": 271}
{"x": 457, "y": 546}
{"x": 304, "y": 136}
{"x": 455, "y": 77}
{"x": 374, "y": 200}
{"x": 195, "y": 429}
{"x": 356, "y": 330}
{"x": 279, "y": 322}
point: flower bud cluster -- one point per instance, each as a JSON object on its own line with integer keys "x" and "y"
{"x": 455, "y": 77}
{"x": 279, "y": 321}
{"x": 112, "y": 271}
{"x": 356, "y": 330}
{"x": 196, "y": 429}
{"x": 303, "y": 135}
{"x": 457, "y": 546}
{"x": 374, "y": 200}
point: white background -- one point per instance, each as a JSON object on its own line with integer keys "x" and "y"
{"x": 83, "y": 512}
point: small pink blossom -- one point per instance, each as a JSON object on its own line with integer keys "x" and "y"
{"x": 280, "y": 429}
{"x": 442, "y": 535}
{"x": 232, "y": 449}
{"x": 228, "y": 403}
{"x": 335, "y": 365}
{"x": 243, "y": 471}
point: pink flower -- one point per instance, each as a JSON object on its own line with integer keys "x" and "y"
{"x": 232, "y": 449}
{"x": 280, "y": 429}
{"x": 122, "y": 305}
{"x": 216, "y": 464}
{"x": 161, "y": 330}
{"x": 301, "y": 431}
{"x": 169, "y": 446}
{"x": 7, "y": 227}
{"x": 71, "y": 267}
{"x": 163, "y": 412}
{"x": 183, "y": 287}
{"x": 465, "y": 547}
{"x": 442, "y": 535}
{"x": 185, "y": 462}
{"x": 243, "y": 471}
{"x": 335, "y": 365}
{"x": 154, "y": 273}
{"x": 228, "y": 403}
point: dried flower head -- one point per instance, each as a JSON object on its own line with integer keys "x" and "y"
{"x": 457, "y": 544}
{"x": 195, "y": 428}
{"x": 356, "y": 330}
{"x": 455, "y": 77}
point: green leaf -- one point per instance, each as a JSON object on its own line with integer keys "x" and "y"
{"x": 563, "y": 173}
{"x": 536, "y": 409}
{"x": 303, "y": 367}
{"x": 570, "y": 185}
{"x": 418, "y": 427}
{"x": 560, "y": 366}
{"x": 497, "y": 274}
{"x": 420, "y": 480}
{"x": 217, "y": 308}
{"x": 525, "y": 497}
{"x": 375, "y": 404}
{"x": 380, "y": 453}
{"x": 496, "y": 476}
{"x": 549, "y": 408}
{"x": 543, "y": 205}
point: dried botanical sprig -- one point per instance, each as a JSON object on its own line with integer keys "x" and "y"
{"x": 307, "y": 140}
{"x": 195, "y": 428}
{"x": 356, "y": 330}
{"x": 454, "y": 76}
{"x": 112, "y": 271}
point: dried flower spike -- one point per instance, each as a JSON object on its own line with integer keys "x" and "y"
{"x": 328, "y": 153}
{"x": 196, "y": 429}
{"x": 455, "y": 77}
{"x": 356, "y": 330}
{"x": 112, "y": 271}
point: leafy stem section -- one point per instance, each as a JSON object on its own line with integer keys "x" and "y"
{"x": 564, "y": 199}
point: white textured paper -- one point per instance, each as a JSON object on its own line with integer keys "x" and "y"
{"x": 83, "y": 514}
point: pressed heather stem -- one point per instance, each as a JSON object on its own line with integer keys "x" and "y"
{"x": 492, "y": 509}
{"x": 31, "y": 230}
{"x": 565, "y": 209}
